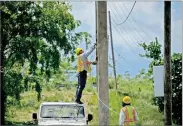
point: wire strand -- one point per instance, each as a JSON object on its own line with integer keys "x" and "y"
{"x": 128, "y": 15}
{"x": 131, "y": 30}
{"x": 105, "y": 104}
{"x": 99, "y": 98}
{"x": 134, "y": 22}
{"x": 121, "y": 33}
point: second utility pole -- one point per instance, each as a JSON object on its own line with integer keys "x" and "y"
{"x": 102, "y": 64}
{"x": 167, "y": 64}
{"x": 113, "y": 59}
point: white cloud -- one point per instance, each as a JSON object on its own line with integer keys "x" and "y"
{"x": 144, "y": 24}
{"x": 85, "y": 12}
{"x": 140, "y": 22}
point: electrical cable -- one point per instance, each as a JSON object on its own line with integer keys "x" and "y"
{"x": 128, "y": 15}
{"x": 136, "y": 41}
{"x": 121, "y": 32}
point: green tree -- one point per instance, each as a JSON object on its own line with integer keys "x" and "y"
{"x": 36, "y": 32}
{"x": 153, "y": 51}
{"x": 62, "y": 74}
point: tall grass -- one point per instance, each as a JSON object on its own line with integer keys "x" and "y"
{"x": 141, "y": 92}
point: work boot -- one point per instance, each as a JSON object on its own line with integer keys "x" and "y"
{"x": 79, "y": 102}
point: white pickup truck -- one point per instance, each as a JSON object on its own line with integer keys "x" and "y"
{"x": 61, "y": 113}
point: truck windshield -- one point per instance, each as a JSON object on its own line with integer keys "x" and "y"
{"x": 62, "y": 111}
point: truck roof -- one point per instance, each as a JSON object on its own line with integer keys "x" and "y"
{"x": 61, "y": 103}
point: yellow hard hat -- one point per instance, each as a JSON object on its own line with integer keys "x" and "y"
{"x": 78, "y": 50}
{"x": 127, "y": 99}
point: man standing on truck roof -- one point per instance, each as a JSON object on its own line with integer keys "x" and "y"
{"x": 128, "y": 114}
{"x": 83, "y": 66}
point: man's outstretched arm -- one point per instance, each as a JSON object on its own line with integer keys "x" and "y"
{"x": 88, "y": 52}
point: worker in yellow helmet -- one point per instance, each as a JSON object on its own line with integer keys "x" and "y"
{"x": 83, "y": 66}
{"x": 128, "y": 114}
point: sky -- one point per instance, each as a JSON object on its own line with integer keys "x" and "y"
{"x": 144, "y": 24}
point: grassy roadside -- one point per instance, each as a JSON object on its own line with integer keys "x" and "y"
{"x": 141, "y": 92}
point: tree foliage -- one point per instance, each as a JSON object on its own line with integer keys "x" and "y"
{"x": 35, "y": 33}
{"x": 153, "y": 51}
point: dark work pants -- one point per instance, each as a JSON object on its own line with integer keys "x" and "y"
{"x": 82, "y": 76}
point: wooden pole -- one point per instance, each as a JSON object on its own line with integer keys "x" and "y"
{"x": 182, "y": 58}
{"x": 113, "y": 58}
{"x": 167, "y": 64}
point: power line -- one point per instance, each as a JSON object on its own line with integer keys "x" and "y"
{"x": 130, "y": 24}
{"x": 139, "y": 37}
{"x": 134, "y": 22}
{"x": 129, "y": 28}
{"x": 128, "y": 15}
{"x": 129, "y": 38}
{"x": 119, "y": 31}
{"x": 129, "y": 44}
{"x": 145, "y": 33}
{"x": 120, "y": 55}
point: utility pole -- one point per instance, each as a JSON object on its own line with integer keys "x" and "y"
{"x": 167, "y": 64}
{"x": 182, "y": 58}
{"x": 96, "y": 42}
{"x": 113, "y": 58}
{"x": 1, "y": 89}
{"x": 102, "y": 51}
